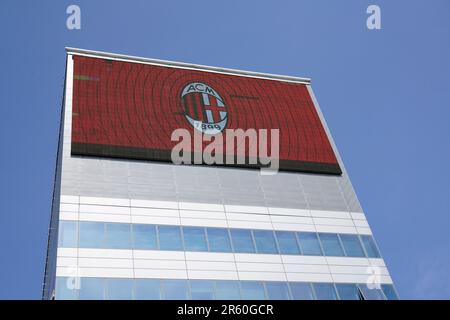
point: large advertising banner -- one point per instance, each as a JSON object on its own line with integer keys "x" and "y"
{"x": 130, "y": 110}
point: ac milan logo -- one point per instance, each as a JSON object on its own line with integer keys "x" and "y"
{"x": 204, "y": 108}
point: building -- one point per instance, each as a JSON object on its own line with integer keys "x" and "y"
{"x": 127, "y": 223}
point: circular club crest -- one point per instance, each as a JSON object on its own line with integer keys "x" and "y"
{"x": 203, "y": 107}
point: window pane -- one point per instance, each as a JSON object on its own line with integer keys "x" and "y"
{"x": 287, "y": 242}
{"x": 194, "y": 239}
{"x": 92, "y": 234}
{"x": 242, "y": 240}
{"x": 371, "y": 294}
{"x": 331, "y": 245}
{"x": 144, "y": 237}
{"x": 370, "y": 246}
{"x": 175, "y": 289}
{"x": 252, "y": 290}
{"x": 119, "y": 289}
{"x": 218, "y": 239}
{"x": 348, "y": 292}
{"x": 301, "y": 291}
{"x": 68, "y": 234}
{"x": 389, "y": 291}
{"x": 325, "y": 291}
{"x": 66, "y": 288}
{"x": 148, "y": 289}
{"x": 92, "y": 289}
{"x": 227, "y": 290}
{"x": 118, "y": 236}
{"x": 352, "y": 245}
{"x": 202, "y": 290}
{"x": 277, "y": 291}
{"x": 309, "y": 243}
{"x": 169, "y": 238}
{"x": 265, "y": 241}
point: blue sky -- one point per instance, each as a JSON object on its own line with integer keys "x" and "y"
{"x": 385, "y": 95}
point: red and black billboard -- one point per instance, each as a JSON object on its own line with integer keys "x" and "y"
{"x": 129, "y": 110}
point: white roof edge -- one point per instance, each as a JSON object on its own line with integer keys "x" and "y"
{"x": 183, "y": 65}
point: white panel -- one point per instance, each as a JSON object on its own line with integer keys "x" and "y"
{"x": 306, "y": 268}
{"x": 105, "y": 217}
{"x": 201, "y": 206}
{"x": 155, "y": 220}
{"x": 69, "y": 199}
{"x": 333, "y": 222}
{"x": 68, "y": 207}
{"x": 361, "y": 223}
{"x": 364, "y": 230}
{"x": 347, "y": 261}
{"x": 154, "y": 204}
{"x": 303, "y": 259}
{"x": 248, "y": 217}
{"x": 158, "y": 255}
{"x": 67, "y": 252}
{"x": 160, "y": 264}
{"x": 160, "y": 274}
{"x": 309, "y": 277}
{"x": 246, "y": 209}
{"x": 291, "y": 219}
{"x": 204, "y": 222}
{"x": 358, "y": 216}
{"x": 73, "y": 216}
{"x": 330, "y": 214}
{"x": 209, "y": 256}
{"x": 262, "y": 276}
{"x": 350, "y": 270}
{"x": 211, "y": 265}
{"x": 377, "y": 262}
{"x": 202, "y": 214}
{"x": 265, "y": 267}
{"x": 290, "y": 212}
{"x": 104, "y": 253}
{"x": 66, "y": 262}
{"x": 248, "y": 257}
{"x": 153, "y": 212}
{"x": 105, "y": 263}
{"x": 105, "y": 201}
{"x": 336, "y": 229}
{"x": 249, "y": 224}
{"x": 87, "y": 208}
{"x": 351, "y": 278}
{"x": 106, "y": 272}
{"x": 213, "y": 275}
{"x": 294, "y": 227}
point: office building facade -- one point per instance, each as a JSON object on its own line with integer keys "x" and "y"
{"x": 127, "y": 223}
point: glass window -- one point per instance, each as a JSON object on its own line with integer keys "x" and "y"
{"x": 265, "y": 241}
{"x": 348, "y": 291}
{"x": 389, "y": 291}
{"x": 277, "y": 291}
{"x": 331, "y": 244}
{"x": 227, "y": 290}
{"x": 301, "y": 291}
{"x": 66, "y": 288}
{"x": 218, "y": 239}
{"x": 194, "y": 239}
{"x": 352, "y": 245}
{"x": 370, "y": 246}
{"x": 202, "y": 289}
{"x": 169, "y": 238}
{"x": 118, "y": 236}
{"x": 92, "y": 289}
{"x": 371, "y": 294}
{"x": 148, "y": 289}
{"x": 252, "y": 290}
{"x": 144, "y": 237}
{"x": 242, "y": 240}
{"x": 68, "y": 234}
{"x": 119, "y": 289}
{"x": 309, "y": 243}
{"x": 92, "y": 234}
{"x": 325, "y": 291}
{"x": 287, "y": 242}
{"x": 175, "y": 289}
